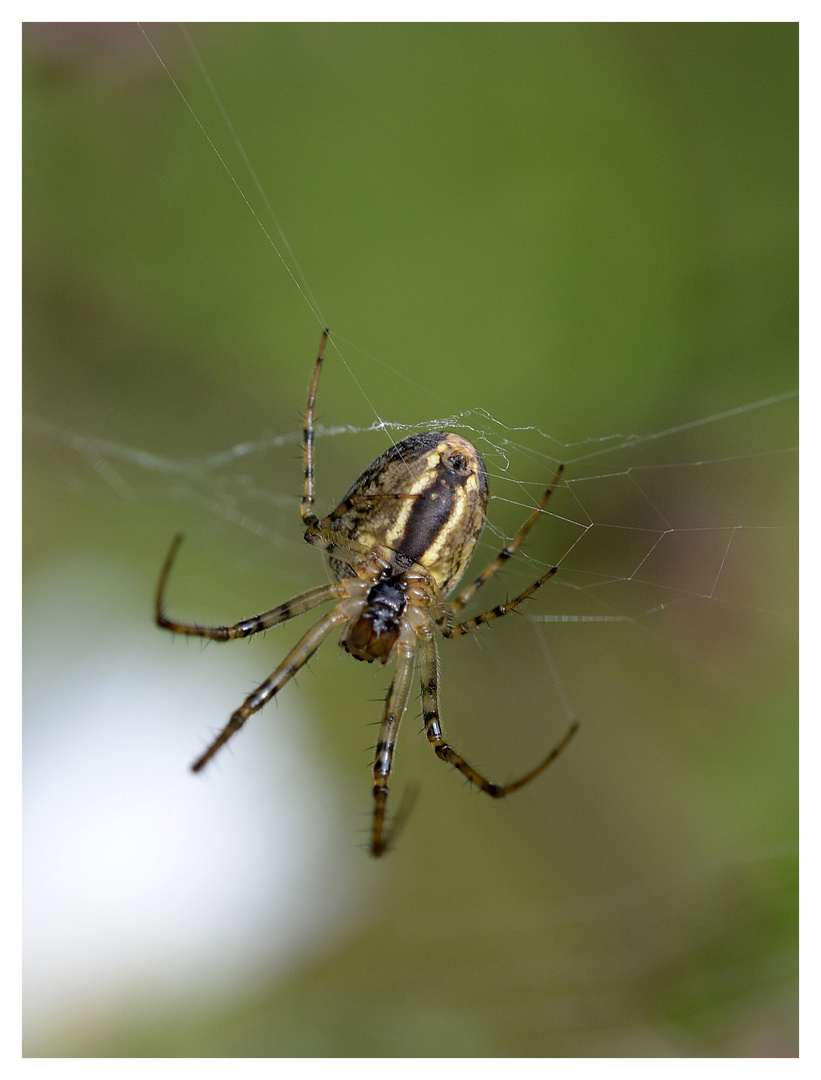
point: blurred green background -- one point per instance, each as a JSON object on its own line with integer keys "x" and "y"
{"x": 586, "y": 231}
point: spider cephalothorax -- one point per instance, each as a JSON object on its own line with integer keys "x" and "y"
{"x": 397, "y": 546}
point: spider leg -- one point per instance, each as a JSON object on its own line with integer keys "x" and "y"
{"x": 247, "y": 627}
{"x": 395, "y": 704}
{"x": 428, "y": 671}
{"x": 308, "y": 515}
{"x": 508, "y": 551}
{"x": 296, "y": 658}
{"x": 497, "y": 612}
{"x": 336, "y": 544}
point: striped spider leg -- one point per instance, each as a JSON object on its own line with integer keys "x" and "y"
{"x": 429, "y": 659}
{"x": 295, "y": 659}
{"x": 507, "y": 552}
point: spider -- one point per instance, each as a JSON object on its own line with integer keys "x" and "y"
{"x": 397, "y": 546}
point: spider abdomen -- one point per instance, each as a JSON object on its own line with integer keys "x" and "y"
{"x": 424, "y": 500}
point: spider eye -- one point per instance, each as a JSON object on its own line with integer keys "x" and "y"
{"x": 458, "y": 462}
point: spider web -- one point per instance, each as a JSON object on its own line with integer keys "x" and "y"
{"x": 649, "y": 521}
{"x": 668, "y": 630}
{"x": 642, "y": 533}
{"x": 646, "y": 469}
{"x": 637, "y": 500}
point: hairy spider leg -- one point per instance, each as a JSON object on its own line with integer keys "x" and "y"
{"x": 395, "y": 704}
{"x": 508, "y": 551}
{"x": 349, "y": 551}
{"x": 497, "y": 612}
{"x": 246, "y": 627}
{"x": 296, "y": 658}
{"x": 308, "y": 515}
{"x": 429, "y": 677}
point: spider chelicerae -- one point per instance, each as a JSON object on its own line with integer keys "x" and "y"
{"x": 397, "y": 546}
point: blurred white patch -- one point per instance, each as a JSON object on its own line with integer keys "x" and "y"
{"x": 141, "y": 879}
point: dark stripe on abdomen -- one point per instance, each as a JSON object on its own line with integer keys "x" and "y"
{"x": 429, "y": 516}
